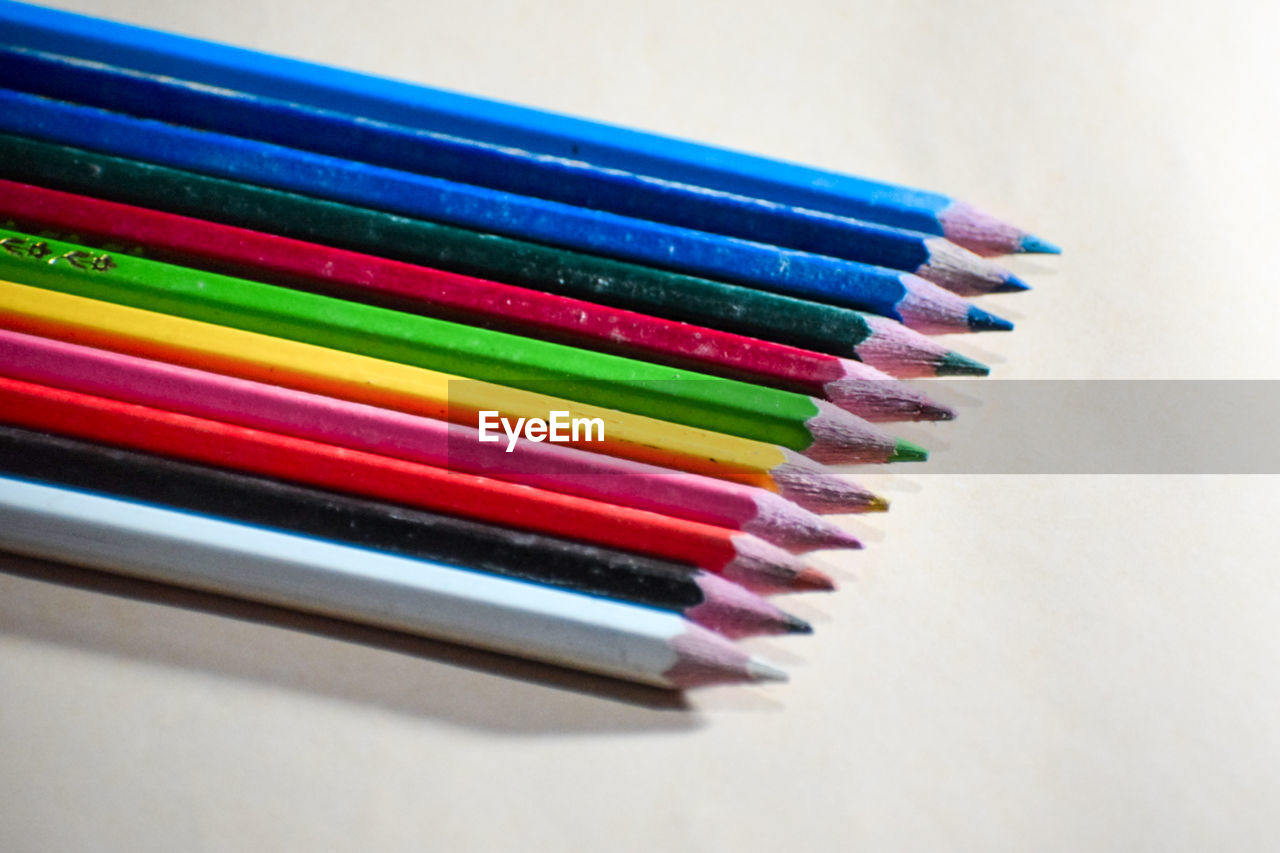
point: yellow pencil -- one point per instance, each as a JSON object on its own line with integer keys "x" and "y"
{"x": 383, "y": 383}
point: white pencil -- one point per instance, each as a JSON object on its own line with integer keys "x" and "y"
{"x": 625, "y": 641}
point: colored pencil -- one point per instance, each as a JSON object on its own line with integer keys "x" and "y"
{"x": 548, "y": 466}
{"x": 699, "y": 596}
{"x": 641, "y": 644}
{"x": 815, "y": 428}
{"x": 877, "y": 341}
{"x": 917, "y": 303}
{"x": 738, "y": 556}
{"x": 348, "y": 376}
{"x": 497, "y": 167}
{"x": 513, "y": 126}
{"x": 855, "y": 387}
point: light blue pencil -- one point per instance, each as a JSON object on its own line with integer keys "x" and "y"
{"x": 497, "y": 167}
{"x": 627, "y": 641}
{"x": 519, "y": 127}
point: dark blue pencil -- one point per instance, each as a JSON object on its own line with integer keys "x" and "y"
{"x": 902, "y": 296}
{"x": 511, "y": 170}
{"x": 508, "y": 125}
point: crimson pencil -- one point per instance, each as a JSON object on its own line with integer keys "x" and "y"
{"x": 737, "y": 556}
{"x": 856, "y": 387}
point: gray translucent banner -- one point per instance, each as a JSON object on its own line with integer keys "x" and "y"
{"x": 1103, "y": 427}
{"x": 1009, "y": 427}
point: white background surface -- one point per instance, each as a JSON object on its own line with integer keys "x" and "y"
{"x": 1015, "y": 663}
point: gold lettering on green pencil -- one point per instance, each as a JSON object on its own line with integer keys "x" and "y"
{"x": 39, "y": 249}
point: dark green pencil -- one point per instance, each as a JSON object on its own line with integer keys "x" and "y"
{"x": 880, "y": 342}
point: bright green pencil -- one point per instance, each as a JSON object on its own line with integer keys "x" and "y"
{"x": 817, "y": 429}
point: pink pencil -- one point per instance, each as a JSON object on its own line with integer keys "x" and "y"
{"x": 548, "y": 466}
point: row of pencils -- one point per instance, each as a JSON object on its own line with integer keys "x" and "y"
{"x": 252, "y": 309}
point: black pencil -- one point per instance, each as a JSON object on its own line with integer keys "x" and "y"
{"x": 699, "y": 596}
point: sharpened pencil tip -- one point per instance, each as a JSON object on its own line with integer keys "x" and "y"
{"x": 1033, "y": 245}
{"x": 1012, "y": 284}
{"x": 936, "y": 412}
{"x": 955, "y": 364}
{"x": 984, "y": 321}
{"x": 907, "y": 451}
{"x": 796, "y": 625}
{"x": 813, "y": 580}
{"x": 847, "y": 540}
{"x": 758, "y": 670}
{"x": 878, "y": 504}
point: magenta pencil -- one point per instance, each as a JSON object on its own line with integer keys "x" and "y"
{"x": 417, "y": 439}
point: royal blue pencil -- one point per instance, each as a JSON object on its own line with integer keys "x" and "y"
{"x": 520, "y": 127}
{"x": 484, "y": 164}
{"x": 902, "y": 296}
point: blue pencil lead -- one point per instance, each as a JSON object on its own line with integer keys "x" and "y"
{"x": 1033, "y": 245}
{"x": 983, "y": 321}
{"x": 1012, "y": 284}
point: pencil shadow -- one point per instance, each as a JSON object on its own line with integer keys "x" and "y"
{"x": 972, "y": 346}
{"x": 1033, "y": 267}
{"x": 1002, "y": 308}
{"x": 959, "y": 394}
{"x": 861, "y": 526}
{"x": 932, "y": 436}
{"x": 369, "y": 666}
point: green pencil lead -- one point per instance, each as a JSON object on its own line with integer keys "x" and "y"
{"x": 796, "y": 625}
{"x": 955, "y": 364}
{"x": 906, "y": 451}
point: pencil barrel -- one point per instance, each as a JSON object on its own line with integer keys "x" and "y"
{"x": 756, "y": 313}
{"x": 414, "y": 596}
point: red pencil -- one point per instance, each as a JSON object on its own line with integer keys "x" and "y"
{"x": 738, "y": 556}
{"x": 858, "y": 387}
